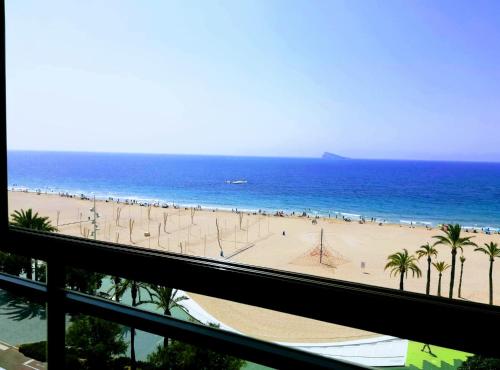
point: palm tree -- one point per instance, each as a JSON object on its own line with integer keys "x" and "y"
{"x": 492, "y": 251}
{"x": 400, "y": 263}
{"x": 462, "y": 261}
{"x": 165, "y": 299}
{"x": 119, "y": 288}
{"x": 32, "y": 221}
{"x": 440, "y": 267}
{"x": 117, "y": 281}
{"x": 428, "y": 251}
{"x": 453, "y": 239}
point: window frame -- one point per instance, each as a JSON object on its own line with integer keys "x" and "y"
{"x": 429, "y": 319}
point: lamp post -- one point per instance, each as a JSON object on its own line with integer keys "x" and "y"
{"x": 94, "y": 219}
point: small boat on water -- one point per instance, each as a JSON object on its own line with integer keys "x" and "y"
{"x": 236, "y": 182}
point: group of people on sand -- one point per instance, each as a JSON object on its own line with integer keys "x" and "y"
{"x": 485, "y": 230}
{"x": 64, "y": 195}
{"x": 155, "y": 204}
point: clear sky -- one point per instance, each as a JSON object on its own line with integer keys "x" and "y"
{"x": 366, "y": 79}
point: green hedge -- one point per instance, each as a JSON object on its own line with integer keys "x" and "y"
{"x": 35, "y": 350}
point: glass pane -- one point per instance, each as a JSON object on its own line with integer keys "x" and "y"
{"x": 321, "y": 338}
{"x": 23, "y": 266}
{"x": 206, "y": 131}
{"x": 119, "y": 347}
{"x": 23, "y": 333}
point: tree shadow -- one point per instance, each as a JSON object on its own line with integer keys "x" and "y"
{"x": 19, "y": 308}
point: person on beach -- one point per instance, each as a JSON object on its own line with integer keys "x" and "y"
{"x": 429, "y": 351}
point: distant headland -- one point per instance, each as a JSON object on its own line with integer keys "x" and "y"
{"x": 332, "y": 157}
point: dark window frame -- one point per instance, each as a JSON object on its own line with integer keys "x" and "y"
{"x": 448, "y": 323}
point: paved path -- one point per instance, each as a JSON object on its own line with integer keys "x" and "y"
{"x": 12, "y": 359}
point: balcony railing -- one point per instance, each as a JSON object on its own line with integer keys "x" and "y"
{"x": 461, "y": 324}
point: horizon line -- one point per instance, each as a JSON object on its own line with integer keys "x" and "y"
{"x": 344, "y": 158}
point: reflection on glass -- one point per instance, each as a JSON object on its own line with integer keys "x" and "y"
{"x": 22, "y": 266}
{"x": 330, "y": 340}
{"x": 22, "y": 333}
{"x": 94, "y": 344}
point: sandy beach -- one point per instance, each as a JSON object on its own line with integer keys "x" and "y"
{"x": 287, "y": 243}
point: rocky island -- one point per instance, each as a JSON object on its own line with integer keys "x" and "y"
{"x": 331, "y": 156}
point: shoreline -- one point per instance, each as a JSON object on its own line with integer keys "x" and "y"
{"x": 309, "y": 213}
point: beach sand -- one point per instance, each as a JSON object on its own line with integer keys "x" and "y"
{"x": 260, "y": 241}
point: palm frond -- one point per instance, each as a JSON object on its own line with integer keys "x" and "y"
{"x": 427, "y": 250}
{"x": 441, "y": 266}
{"x": 29, "y": 220}
{"x": 453, "y": 238}
{"x": 490, "y": 249}
{"x": 441, "y": 240}
{"x": 402, "y": 262}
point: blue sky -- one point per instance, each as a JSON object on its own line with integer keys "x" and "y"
{"x": 365, "y": 79}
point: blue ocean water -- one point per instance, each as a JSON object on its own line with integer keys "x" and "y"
{"x": 437, "y": 192}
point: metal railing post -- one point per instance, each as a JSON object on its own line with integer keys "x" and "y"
{"x": 56, "y": 314}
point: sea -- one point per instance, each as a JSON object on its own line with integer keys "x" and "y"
{"x": 418, "y": 192}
